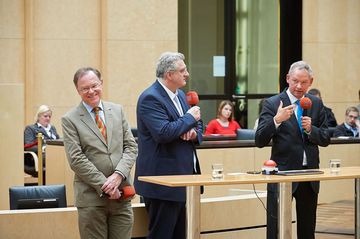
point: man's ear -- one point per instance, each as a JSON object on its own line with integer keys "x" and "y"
{"x": 287, "y": 78}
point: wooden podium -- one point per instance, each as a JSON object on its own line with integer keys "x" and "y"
{"x": 193, "y": 182}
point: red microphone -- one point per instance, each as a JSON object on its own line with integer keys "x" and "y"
{"x": 127, "y": 192}
{"x": 192, "y": 98}
{"x": 269, "y": 167}
{"x": 305, "y": 104}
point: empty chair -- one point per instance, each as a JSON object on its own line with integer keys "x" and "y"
{"x": 31, "y": 163}
{"x": 245, "y": 134}
{"x": 47, "y": 196}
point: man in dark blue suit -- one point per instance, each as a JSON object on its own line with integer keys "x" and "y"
{"x": 167, "y": 132}
{"x": 295, "y": 146}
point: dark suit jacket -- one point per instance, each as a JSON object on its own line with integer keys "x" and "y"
{"x": 161, "y": 150}
{"x": 341, "y": 130}
{"x": 330, "y": 117}
{"x": 288, "y": 142}
{"x": 30, "y": 136}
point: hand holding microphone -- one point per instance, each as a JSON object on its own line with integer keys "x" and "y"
{"x": 192, "y": 99}
{"x": 125, "y": 193}
{"x": 305, "y": 104}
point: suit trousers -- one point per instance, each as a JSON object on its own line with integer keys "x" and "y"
{"x": 115, "y": 220}
{"x": 306, "y": 205}
{"x": 166, "y": 219}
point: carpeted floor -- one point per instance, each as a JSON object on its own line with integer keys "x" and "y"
{"x": 336, "y": 220}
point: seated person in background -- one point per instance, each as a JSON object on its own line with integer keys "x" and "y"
{"x": 331, "y": 120}
{"x": 351, "y": 126}
{"x": 42, "y": 125}
{"x": 224, "y": 124}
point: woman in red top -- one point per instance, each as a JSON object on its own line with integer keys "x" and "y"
{"x": 224, "y": 124}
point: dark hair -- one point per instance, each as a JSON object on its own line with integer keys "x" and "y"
{"x": 314, "y": 91}
{"x": 83, "y": 71}
{"x": 222, "y": 105}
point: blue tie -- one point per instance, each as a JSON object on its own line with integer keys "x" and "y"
{"x": 299, "y": 113}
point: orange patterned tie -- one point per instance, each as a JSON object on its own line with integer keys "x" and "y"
{"x": 99, "y": 122}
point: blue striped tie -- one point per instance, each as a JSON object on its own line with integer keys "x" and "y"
{"x": 299, "y": 112}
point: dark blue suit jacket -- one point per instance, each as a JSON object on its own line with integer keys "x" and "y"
{"x": 161, "y": 150}
{"x": 288, "y": 142}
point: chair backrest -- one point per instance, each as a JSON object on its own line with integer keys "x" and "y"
{"x": 245, "y": 134}
{"x": 31, "y": 163}
{"x": 46, "y": 196}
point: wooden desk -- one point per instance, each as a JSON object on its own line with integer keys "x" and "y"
{"x": 193, "y": 182}
{"x": 56, "y": 223}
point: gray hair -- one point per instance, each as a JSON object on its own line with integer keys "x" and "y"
{"x": 167, "y": 62}
{"x": 42, "y": 109}
{"x": 301, "y": 65}
{"x": 83, "y": 71}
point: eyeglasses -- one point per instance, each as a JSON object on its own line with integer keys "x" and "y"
{"x": 87, "y": 89}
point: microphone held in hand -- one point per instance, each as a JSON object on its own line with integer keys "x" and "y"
{"x": 305, "y": 104}
{"x": 192, "y": 98}
{"x": 126, "y": 192}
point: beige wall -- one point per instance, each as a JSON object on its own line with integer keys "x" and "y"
{"x": 331, "y": 44}
{"x": 43, "y": 42}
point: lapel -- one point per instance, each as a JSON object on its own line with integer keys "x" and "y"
{"x": 167, "y": 101}
{"x": 109, "y": 121}
{"x": 41, "y": 130}
{"x": 89, "y": 122}
{"x": 293, "y": 121}
{"x": 183, "y": 102}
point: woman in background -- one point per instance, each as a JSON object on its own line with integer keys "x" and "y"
{"x": 42, "y": 125}
{"x": 224, "y": 124}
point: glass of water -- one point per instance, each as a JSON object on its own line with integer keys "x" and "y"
{"x": 217, "y": 171}
{"x": 334, "y": 165}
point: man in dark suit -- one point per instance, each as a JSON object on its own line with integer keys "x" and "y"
{"x": 351, "y": 126}
{"x": 167, "y": 131}
{"x": 295, "y": 146}
{"x": 101, "y": 151}
{"x": 330, "y": 117}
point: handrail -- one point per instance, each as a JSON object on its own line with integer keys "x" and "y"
{"x": 40, "y": 159}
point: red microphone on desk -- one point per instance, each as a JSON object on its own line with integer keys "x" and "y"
{"x": 269, "y": 167}
{"x": 192, "y": 98}
{"x": 305, "y": 104}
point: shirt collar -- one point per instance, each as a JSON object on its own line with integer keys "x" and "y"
{"x": 89, "y": 108}
{"x": 292, "y": 98}
{"x": 349, "y": 127}
{"x": 46, "y": 128}
{"x": 169, "y": 92}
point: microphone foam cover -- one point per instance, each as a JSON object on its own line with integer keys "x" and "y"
{"x": 270, "y": 163}
{"x": 192, "y": 98}
{"x": 305, "y": 103}
{"x": 128, "y": 192}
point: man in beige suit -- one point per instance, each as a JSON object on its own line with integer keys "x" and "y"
{"x": 101, "y": 151}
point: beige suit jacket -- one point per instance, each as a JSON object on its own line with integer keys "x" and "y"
{"x": 90, "y": 157}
